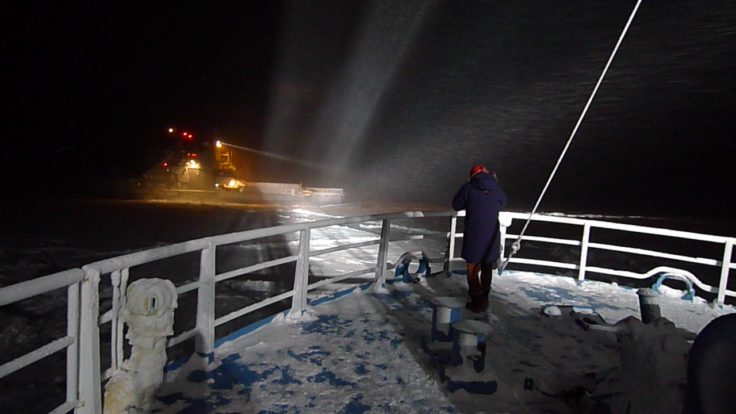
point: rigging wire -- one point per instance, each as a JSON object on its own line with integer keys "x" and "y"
{"x": 517, "y": 244}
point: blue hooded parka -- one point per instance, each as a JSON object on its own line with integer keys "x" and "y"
{"x": 482, "y": 199}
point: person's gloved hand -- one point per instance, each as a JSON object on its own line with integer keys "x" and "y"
{"x": 515, "y": 247}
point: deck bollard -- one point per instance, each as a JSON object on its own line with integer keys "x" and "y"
{"x": 649, "y": 304}
{"x": 445, "y": 311}
{"x": 469, "y": 343}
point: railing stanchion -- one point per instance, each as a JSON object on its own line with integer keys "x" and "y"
{"x": 725, "y": 267}
{"x": 450, "y": 255}
{"x": 123, "y": 300}
{"x": 89, "y": 344}
{"x": 301, "y": 275}
{"x": 116, "y": 306}
{"x": 72, "y": 352}
{"x": 205, "y": 342}
{"x": 584, "y": 251}
{"x": 502, "y": 230}
{"x": 383, "y": 253}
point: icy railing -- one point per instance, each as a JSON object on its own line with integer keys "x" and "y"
{"x": 84, "y": 375}
{"x": 585, "y": 245}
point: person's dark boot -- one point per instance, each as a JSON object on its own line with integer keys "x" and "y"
{"x": 475, "y": 304}
{"x": 484, "y": 299}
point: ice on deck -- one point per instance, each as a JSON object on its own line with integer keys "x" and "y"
{"x": 363, "y": 352}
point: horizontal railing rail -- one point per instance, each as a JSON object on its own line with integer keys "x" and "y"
{"x": 34, "y": 287}
{"x": 84, "y": 305}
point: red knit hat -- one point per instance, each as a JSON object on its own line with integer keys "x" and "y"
{"x": 477, "y": 169}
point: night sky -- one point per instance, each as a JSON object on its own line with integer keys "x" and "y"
{"x": 392, "y": 100}
{"x": 99, "y": 84}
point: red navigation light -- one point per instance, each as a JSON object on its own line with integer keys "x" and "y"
{"x": 184, "y": 134}
{"x": 165, "y": 164}
{"x": 191, "y": 136}
{"x": 193, "y": 155}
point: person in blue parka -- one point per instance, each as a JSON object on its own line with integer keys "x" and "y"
{"x": 482, "y": 199}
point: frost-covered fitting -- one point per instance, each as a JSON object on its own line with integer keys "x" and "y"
{"x": 149, "y": 313}
{"x": 402, "y": 266}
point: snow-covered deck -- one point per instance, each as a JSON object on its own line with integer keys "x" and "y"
{"x": 363, "y": 352}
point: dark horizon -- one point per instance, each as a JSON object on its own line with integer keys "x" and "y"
{"x": 391, "y": 101}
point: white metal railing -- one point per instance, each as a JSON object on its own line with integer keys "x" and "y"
{"x": 725, "y": 264}
{"x": 71, "y": 280}
{"x": 84, "y": 375}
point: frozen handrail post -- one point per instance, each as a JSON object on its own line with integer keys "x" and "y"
{"x": 380, "y": 279}
{"x": 301, "y": 276}
{"x": 89, "y": 343}
{"x": 149, "y": 313}
{"x": 205, "y": 342}
{"x": 450, "y": 252}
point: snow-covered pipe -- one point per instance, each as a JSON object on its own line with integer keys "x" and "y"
{"x": 149, "y": 313}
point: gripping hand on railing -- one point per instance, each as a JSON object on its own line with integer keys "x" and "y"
{"x": 515, "y": 247}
